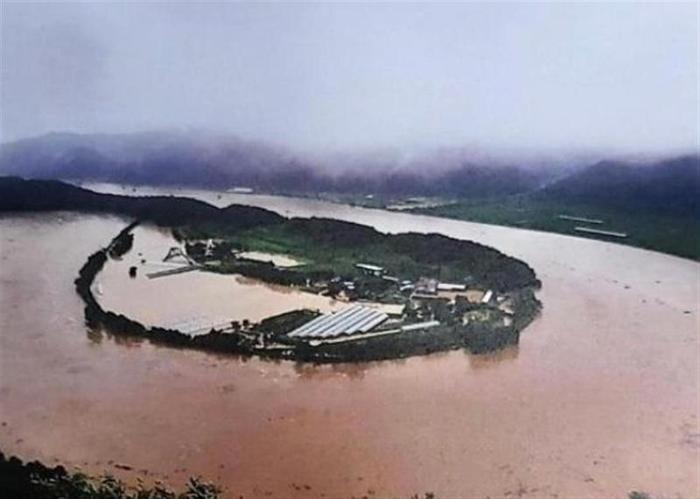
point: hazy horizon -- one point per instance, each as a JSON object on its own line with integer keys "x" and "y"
{"x": 326, "y": 78}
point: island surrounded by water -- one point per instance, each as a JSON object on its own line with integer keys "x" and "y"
{"x": 401, "y": 294}
{"x": 598, "y": 328}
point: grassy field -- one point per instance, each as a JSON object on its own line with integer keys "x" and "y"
{"x": 334, "y": 247}
{"x": 341, "y": 258}
{"x": 667, "y": 234}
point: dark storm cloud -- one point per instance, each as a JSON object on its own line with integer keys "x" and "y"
{"x": 51, "y": 73}
{"x": 620, "y": 77}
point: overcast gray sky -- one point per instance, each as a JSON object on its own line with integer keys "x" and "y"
{"x": 597, "y": 76}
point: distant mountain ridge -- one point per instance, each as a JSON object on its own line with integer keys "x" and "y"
{"x": 196, "y": 159}
{"x": 667, "y": 187}
{"x": 200, "y": 160}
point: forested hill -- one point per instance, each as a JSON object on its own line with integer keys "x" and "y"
{"x": 222, "y": 162}
{"x": 668, "y": 187}
{"x": 17, "y": 194}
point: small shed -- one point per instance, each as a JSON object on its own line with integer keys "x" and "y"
{"x": 448, "y": 286}
{"x": 370, "y": 269}
{"x": 427, "y": 286}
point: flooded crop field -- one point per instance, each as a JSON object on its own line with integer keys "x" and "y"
{"x": 197, "y": 297}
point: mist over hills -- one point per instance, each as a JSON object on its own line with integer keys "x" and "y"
{"x": 665, "y": 187}
{"x": 217, "y": 161}
{"x": 196, "y": 159}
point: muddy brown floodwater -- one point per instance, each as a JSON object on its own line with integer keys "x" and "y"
{"x": 600, "y": 398}
{"x": 193, "y": 299}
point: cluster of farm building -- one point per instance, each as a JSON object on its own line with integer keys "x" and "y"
{"x": 413, "y": 308}
{"x": 377, "y": 302}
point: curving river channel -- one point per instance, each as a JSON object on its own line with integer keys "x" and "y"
{"x": 600, "y": 398}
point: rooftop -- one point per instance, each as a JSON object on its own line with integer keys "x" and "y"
{"x": 369, "y": 266}
{"x": 351, "y": 320}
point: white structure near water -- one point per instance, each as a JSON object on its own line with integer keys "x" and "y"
{"x": 352, "y": 320}
{"x": 610, "y": 233}
{"x": 368, "y": 268}
{"x": 580, "y": 219}
{"x": 448, "y": 286}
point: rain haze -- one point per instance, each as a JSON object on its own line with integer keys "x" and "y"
{"x": 587, "y": 77}
{"x": 338, "y": 250}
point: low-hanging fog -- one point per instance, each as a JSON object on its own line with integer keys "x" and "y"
{"x": 605, "y": 78}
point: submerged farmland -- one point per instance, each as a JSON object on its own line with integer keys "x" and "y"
{"x": 375, "y": 311}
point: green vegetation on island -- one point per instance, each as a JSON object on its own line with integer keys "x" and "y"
{"x": 450, "y": 293}
{"x": 332, "y": 247}
{"x": 491, "y": 328}
{"x": 328, "y": 252}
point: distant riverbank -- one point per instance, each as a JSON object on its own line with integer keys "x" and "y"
{"x": 673, "y": 235}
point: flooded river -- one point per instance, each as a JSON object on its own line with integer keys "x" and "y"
{"x": 191, "y": 300}
{"x": 601, "y": 397}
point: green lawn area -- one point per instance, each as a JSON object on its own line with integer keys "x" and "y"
{"x": 668, "y": 234}
{"x": 334, "y": 247}
{"x": 341, "y": 258}
{"x": 318, "y": 258}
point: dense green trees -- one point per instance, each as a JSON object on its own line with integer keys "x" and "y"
{"x": 49, "y": 195}
{"x": 331, "y": 248}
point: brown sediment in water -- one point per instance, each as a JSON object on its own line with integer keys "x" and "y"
{"x": 207, "y": 297}
{"x": 600, "y": 397}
